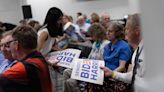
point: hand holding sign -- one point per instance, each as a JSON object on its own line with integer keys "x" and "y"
{"x": 107, "y": 72}
{"x": 51, "y": 59}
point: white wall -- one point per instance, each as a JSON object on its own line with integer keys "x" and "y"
{"x": 10, "y": 11}
{"x": 134, "y": 6}
{"x": 116, "y": 8}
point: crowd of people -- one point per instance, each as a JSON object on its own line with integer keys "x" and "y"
{"x": 24, "y": 49}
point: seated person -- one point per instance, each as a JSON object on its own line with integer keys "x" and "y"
{"x": 31, "y": 73}
{"x": 83, "y": 26}
{"x": 5, "y": 53}
{"x": 97, "y": 32}
{"x": 116, "y": 54}
{"x": 2, "y": 58}
{"x": 94, "y": 18}
{"x": 70, "y": 33}
{"x": 136, "y": 70}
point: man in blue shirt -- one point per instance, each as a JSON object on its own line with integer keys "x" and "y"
{"x": 5, "y": 55}
{"x": 2, "y": 58}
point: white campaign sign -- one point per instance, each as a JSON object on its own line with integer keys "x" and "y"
{"x": 88, "y": 71}
{"x": 64, "y": 58}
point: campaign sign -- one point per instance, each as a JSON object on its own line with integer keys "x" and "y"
{"x": 88, "y": 71}
{"x": 64, "y": 58}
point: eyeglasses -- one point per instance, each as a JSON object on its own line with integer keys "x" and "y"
{"x": 7, "y": 44}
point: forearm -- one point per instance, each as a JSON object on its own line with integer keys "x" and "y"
{"x": 121, "y": 66}
{"x": 40, "y": 45}
{"x": 119, "y": 69}
{"x": 125, "y": 77}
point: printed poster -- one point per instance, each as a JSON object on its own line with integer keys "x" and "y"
{"x": 64, "y": 58}
{"x": 88, "y": 70}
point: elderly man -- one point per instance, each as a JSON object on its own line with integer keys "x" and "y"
{"x": 136, "y": 70}
{"x": 31, "y": 74}
{"x": 105, "y": 20}
{"x": 83, "y": 25}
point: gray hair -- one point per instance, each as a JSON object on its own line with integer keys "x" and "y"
{"x": 135, "y": 20}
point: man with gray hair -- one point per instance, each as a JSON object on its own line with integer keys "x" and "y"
{"x": 136, "y": 69}
{"x": 30, "y": 73}
{"x": 105, "y": 20}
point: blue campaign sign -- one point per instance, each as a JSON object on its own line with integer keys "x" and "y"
{"x": 65, "y": 57}
{"x": 89, "y": 70}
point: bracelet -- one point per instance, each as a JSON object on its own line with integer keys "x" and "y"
{"x": 113, "y": 74}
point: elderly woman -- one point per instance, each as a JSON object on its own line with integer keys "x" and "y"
{"x": 97, "y": 32}
{"x": 116, "y": 54}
